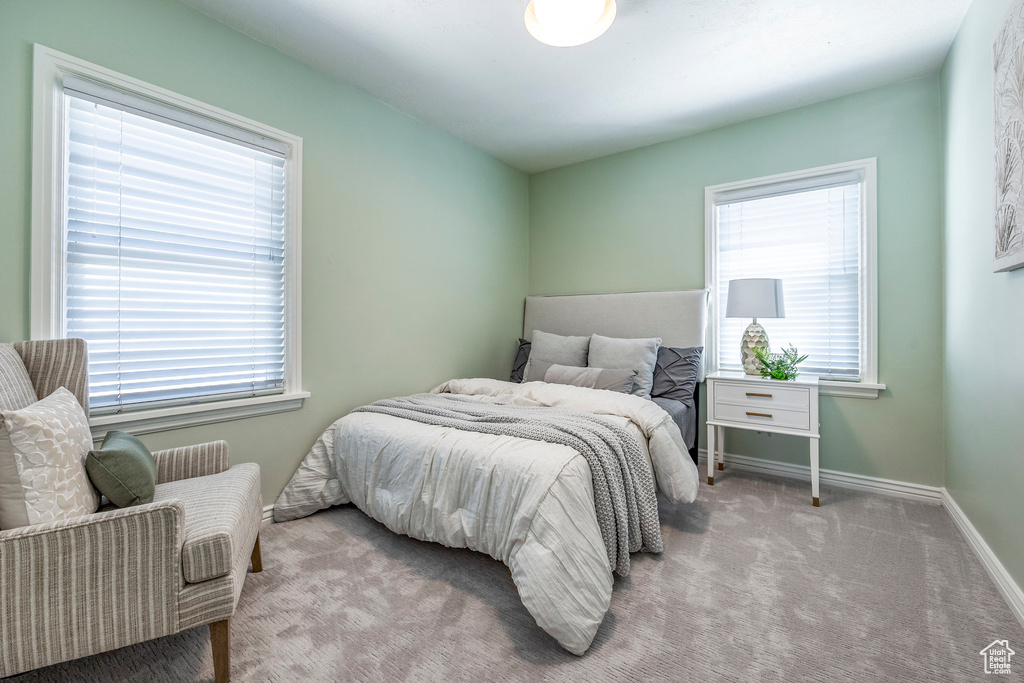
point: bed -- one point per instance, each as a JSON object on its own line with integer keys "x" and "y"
{"x": 679, "y": 317}
{"x": 558, "y": 482}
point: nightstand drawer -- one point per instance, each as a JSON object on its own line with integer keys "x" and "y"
{"x": 769, "y": 416}
{"x": 796, "y": 398}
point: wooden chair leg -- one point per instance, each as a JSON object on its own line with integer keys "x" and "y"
{"x": 257, "y": 559}
{"x": 220, "y": 639}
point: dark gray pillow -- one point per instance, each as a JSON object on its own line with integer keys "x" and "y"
{"x": 675, "y": 374}
{"x": 519, "y": 364}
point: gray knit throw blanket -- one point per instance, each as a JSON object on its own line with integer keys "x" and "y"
{"x": 624, "y": 495}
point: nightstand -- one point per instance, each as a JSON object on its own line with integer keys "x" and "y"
{"x": 755, "y": 403}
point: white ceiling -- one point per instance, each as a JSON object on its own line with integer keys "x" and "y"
{"x": 666, "y": 68}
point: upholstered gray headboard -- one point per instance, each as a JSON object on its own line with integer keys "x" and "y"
{"x": 680, "y": 318}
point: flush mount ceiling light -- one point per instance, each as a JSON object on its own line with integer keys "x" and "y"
{"x": 567, "y": 23}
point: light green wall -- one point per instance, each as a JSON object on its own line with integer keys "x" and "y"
{"x": 984, "y": 311}
{"x": 635, "y": 221}
{"x": 414, "y": 244}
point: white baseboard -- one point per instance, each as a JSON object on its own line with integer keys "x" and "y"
{"x": 859, "y": 482}
{"x": 268, "y": 515}
{"x": 1005, "y": 584}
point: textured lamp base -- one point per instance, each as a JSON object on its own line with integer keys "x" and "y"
{"x": 754, "y": 337}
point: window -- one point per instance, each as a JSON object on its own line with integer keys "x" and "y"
{"x": 815, "y": 230}
{"x": 172, "y": 250}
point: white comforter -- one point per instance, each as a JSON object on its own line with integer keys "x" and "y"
{"x": 529, "y": 504}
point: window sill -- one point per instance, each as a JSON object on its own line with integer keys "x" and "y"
{"x": 849, "y": 389}
{"x": 177, "y": 417}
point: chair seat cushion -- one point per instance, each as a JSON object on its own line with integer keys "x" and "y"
{"x": 222, "y": 517}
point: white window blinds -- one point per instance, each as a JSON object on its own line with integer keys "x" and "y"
{"x": 175, "y": 270}
{"x": 808, "y": 234}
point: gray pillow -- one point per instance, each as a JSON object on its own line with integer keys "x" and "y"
{"x": 592, "y": 378}
{"x": 537, "y": 370}
{"x": 675, "y": 375}
{"x": 556, "y": 349}
{"x": 634, "y": 354}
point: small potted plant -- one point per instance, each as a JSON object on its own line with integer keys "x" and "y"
{"x": 780, "y": 366}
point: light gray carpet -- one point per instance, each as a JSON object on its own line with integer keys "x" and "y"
{"x": 754, "y": 584}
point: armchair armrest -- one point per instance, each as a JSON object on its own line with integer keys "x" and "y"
{"x": 89, "y": 584}
{"x": 186, "y": 462}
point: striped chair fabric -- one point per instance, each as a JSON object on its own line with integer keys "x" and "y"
{"x": 77, "y": 587}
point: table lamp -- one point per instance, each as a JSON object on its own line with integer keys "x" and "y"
{"x": 754, "y": 298}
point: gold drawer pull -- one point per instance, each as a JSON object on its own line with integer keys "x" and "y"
{"x": 750, "y": 393}
{"x": 759, "y": 414}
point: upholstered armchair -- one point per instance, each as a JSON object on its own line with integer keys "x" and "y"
{"x": 85, "y": 585}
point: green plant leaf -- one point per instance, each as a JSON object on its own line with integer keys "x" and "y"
{"x": 781, "y": 366}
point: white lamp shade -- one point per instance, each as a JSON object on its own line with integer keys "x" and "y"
{"x": 758, "y": 297}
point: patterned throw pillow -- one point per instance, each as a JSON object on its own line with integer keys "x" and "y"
{"x": 675, "y": 375}
{"x": 42, "y": 462}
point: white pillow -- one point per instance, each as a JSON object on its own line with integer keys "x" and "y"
{"x": 42, "y": 462}
{"x": 631, "y": 354}
{"x": 555, "y": 349}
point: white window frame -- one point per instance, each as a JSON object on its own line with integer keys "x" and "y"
{"x": 868, "y": 386}
{"x": 49, "y": 249}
